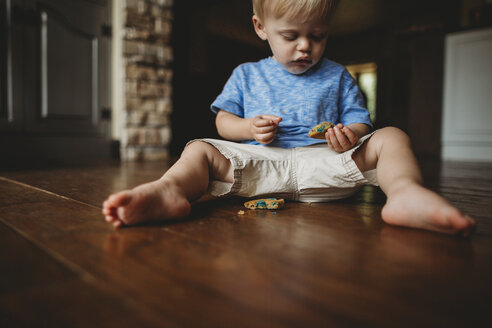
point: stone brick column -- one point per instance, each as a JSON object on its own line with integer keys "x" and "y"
{"x": 147, "y": 53}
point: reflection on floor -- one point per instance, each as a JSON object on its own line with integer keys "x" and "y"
{"x": 331, "y": 264}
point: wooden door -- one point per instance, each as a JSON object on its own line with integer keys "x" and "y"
{"x": 57, "y": 81}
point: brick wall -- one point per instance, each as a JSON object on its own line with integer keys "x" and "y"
{"x": 147, "y": 55}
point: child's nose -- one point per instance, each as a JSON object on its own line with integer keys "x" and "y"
{"x": 303, "y": 44}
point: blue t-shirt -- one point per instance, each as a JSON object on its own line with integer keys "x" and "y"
{"x": 326, "y": 92}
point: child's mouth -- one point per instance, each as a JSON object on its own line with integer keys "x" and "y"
{"x": 303, "y": 61}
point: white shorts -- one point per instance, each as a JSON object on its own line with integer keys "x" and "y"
{"x": 308, "y": 174}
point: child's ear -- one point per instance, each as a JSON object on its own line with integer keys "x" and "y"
{"x": 259, "y": 27}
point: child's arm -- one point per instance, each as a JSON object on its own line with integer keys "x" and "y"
{"x": 340, "y": 138}
{"x": 261, "y": 128}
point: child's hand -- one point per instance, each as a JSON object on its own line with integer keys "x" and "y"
{"x": 340, "y": 138}
{"x": 264, "y": 127}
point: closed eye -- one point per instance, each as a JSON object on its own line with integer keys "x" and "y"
{"x": 318, "y": 37}
{"x": 289, "y": 36}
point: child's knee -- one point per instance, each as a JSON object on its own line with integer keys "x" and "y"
{"x": 391, "y": 135}
{"x": 385, "y": 138}
{"x": 199, "y": 148}
{"x": 219, "y": 165}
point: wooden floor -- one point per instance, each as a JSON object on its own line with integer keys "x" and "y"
{"x": 320, "y": 265}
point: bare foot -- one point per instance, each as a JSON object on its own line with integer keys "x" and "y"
{"x": 153, "y": 201}
{"x": 417, "y": 207}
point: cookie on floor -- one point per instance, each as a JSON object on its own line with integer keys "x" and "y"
{"x": 265, "y": 204}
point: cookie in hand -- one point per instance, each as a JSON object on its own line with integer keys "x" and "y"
{"x": 318, "y": 132}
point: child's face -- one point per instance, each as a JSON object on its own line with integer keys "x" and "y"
{"x": 297, "y": 46}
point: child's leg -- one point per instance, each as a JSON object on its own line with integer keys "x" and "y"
{"x": 170, "y": 196}
{"x": 408, "y": 202}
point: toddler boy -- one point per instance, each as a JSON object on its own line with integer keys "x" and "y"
{"x": 265, "y": 112}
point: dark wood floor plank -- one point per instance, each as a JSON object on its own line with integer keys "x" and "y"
{"x": 171, "y": 290}
{"x": 409, "y": 266}
{"x": 466, "y": 185}
{"x": 334, "y": 264}
{"x": 36, "y": 290}
{"x": 71, "y": 303}
{"x": 17, "y": 195}
{"x": 89, "y": 184}
{"x": 18, "y": 257}
{"x": 276, "y": 260}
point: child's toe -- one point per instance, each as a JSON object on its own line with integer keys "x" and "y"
{"x": 119, "y": 199}
{"x": 109, "y": 218}
{"x": 106, "y": 211}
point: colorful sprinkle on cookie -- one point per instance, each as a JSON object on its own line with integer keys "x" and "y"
{"x": 265, "y": 204}
{"x": 318, "y": 131}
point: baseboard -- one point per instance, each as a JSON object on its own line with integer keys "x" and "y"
{"x": 467, "y": 153}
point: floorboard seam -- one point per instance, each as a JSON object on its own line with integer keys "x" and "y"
{"x": 47, "y": 192}
{"x": 84, "y": 275}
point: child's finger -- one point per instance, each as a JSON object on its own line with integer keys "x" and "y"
{"x": 332, "y": 139}
{"x": 265, "y": 138}
{"x": 342, "y": 138}
{"x": 328, "y": 141}
{"x": 265, "y": 129}
{"x": 259, "y": 122}
{"x": 275, "y": 119}
{"x": 350, "y": 135}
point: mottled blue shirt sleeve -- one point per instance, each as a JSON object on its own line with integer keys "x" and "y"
{"x": 351, "y": 103}
{"x": 231, "y": 98}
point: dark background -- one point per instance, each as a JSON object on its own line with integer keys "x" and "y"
{"x": 405, "y": 38}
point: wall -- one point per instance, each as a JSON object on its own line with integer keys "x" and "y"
{"x": 467, "y": 133}
{"x": 142, "y": 90}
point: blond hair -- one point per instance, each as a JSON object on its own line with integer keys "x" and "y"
{"x": 301, "y": 9}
